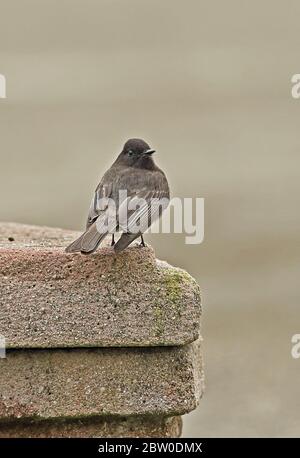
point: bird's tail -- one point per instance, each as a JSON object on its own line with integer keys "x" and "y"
{"x": 124, "y": 241}
{"x": 88, "y": 242}
{"x": 75, "y": 246}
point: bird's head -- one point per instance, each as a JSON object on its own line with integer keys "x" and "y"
{"x": 136, "y": 153}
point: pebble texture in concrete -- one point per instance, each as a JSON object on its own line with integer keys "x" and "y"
{"x": 53, "y": 299}
{"x": 95, "y": 427}
{"x": 43, "y": 384}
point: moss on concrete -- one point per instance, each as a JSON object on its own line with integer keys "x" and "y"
{"x": 176, "y": 280}
{"x": 159, "y": 321}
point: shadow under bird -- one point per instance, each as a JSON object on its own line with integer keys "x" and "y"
{"x": 135, "y": 172}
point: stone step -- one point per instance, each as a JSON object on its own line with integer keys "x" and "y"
{"x": 95, "y": 427}
{"x": 53, "y": 299}
{"x": 94, "y": 346}
{"x": 45, "y": 384}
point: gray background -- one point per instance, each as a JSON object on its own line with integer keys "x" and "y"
{"x": 207, "y": 84}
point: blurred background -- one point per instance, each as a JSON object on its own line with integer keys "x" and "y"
{"x": 207, "y": 84}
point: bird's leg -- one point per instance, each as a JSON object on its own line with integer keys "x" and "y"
{"x": 112, "y": 240}
{"x": 142, "y": 241}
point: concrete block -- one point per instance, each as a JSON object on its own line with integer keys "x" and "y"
{"x": 52, "y": 299}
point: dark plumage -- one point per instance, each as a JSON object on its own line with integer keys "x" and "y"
{"x": 134, "y": 171}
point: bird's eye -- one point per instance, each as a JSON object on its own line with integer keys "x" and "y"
{"x": 130, "y": 152}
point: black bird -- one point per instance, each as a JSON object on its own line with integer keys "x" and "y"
{"x": 135, "y": 172}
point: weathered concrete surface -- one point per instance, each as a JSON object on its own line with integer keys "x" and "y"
{"x": 52, "y": 299}
{"x": 95, "y": 427}
{"x": 44, "y": 384}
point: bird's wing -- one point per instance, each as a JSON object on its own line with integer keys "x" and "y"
{"x": 99, "y": 201}
{"x": 141, "y": 209}
{"x": 146, "y": 206}
{"x": 147, "y": 198}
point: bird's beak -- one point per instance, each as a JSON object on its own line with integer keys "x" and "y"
{"x": 148, "y": 152}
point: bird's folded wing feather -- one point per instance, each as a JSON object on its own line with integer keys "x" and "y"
{"x": 99, "y": 203}
{"x": 140, "y": 210}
